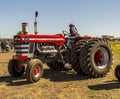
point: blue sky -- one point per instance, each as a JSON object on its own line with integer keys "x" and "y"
{"x": 91, "y": 17}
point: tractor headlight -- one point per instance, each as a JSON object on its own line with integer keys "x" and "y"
{"x": 26, "y": 39}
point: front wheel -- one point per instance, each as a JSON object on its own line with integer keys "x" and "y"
{"x": 34, "y": 70}
{"x": 117, "y": 72}
{"x": 15, "y": 68}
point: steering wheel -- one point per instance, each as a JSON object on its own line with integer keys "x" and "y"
{"x": 65, "y": 33}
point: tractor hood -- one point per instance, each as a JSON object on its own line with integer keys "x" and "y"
{"x": 57, "y": 39}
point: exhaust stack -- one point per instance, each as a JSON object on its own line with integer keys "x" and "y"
{"x": 25, "y": 28}
{"x": 35, "y": 23}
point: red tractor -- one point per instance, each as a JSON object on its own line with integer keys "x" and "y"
{"x": 86, "y": 55}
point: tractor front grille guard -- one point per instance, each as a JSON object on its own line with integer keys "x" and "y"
{"x": 24, "y": 51}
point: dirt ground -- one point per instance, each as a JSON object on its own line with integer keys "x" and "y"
{"x": 58, "y": 85}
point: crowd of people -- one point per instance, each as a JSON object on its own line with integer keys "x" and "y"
{"x": 6, "y": 46}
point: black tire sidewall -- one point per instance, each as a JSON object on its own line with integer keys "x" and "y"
{"x": 117, "y": 69}
{"x": 75, "y": 56}
{"x": 11, "y": 68}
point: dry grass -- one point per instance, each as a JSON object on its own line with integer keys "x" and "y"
{"x": 59, "y": 85}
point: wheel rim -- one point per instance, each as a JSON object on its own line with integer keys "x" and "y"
{"x": 36, "y": 71}
{"x": 101, "y": 57}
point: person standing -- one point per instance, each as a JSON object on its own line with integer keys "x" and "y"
{"x": 3, "y": 46}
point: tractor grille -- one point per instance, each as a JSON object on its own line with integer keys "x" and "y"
{"x": 24, "y": 49}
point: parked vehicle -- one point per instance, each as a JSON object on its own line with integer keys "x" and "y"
{"x": 84, "y": 54}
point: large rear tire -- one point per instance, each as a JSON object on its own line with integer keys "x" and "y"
{"x": 117, "y": 72}
{"x": 75, "y": 56}
{"x": 96, "y": 58}
{"x": 34, "y": 70}
{"x": 15, "y": 68}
